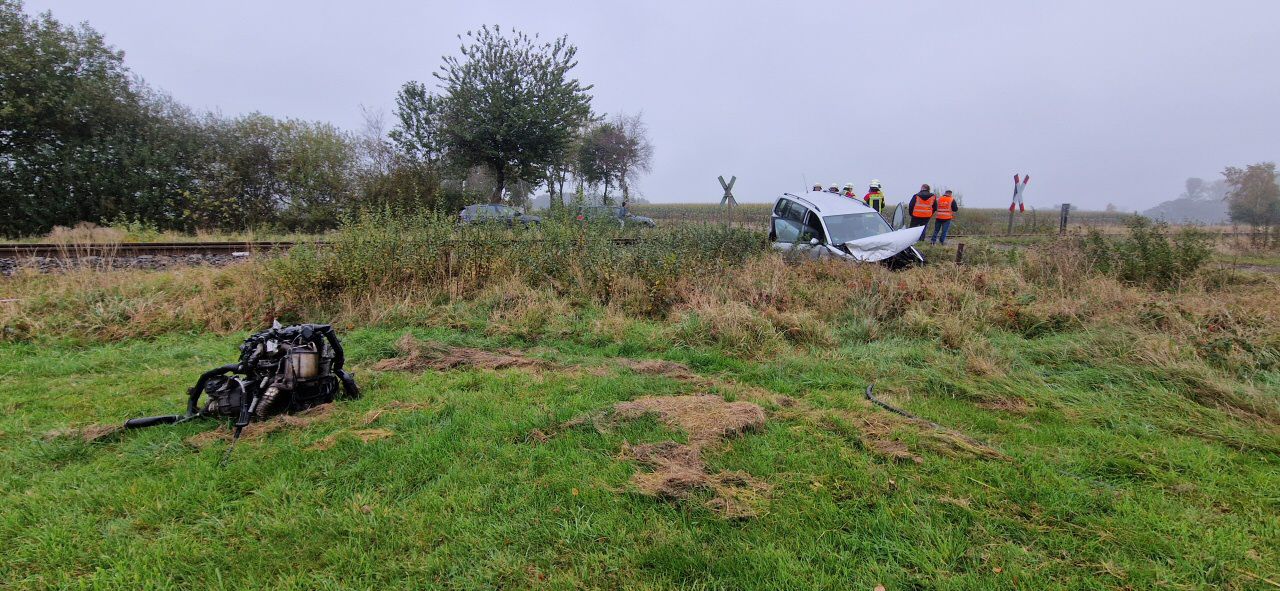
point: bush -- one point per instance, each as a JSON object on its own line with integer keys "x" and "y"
{"x": 1147, "y": 256}
{"x": 382, "y": 252}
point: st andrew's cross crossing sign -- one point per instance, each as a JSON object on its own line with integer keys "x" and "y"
{"x": 728, "y": 191}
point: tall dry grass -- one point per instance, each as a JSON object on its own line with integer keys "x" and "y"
{"x": 682, "y": 287}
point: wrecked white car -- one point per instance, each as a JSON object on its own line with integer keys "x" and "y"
{"x": 820, "y": 224}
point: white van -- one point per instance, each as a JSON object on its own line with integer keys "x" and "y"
{"x": 821, "y": 224}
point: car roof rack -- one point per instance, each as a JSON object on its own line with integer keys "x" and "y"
{"x": 806, "y": 201}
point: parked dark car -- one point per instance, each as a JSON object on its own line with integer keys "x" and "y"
{"x": 614, "y": 214}
{"x": 484, "y": 213}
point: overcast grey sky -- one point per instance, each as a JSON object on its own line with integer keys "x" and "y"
{"x": 1101, "y": 101}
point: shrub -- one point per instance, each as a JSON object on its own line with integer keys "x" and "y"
{"x": 378, "y": 252}
{"x": 1147, "y": 256}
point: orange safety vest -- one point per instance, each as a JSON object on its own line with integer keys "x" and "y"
{"x": 944, "y": 207}
{"x": 923, "y": 208}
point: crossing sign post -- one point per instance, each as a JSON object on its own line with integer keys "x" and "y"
{"x": 728, "y": 191}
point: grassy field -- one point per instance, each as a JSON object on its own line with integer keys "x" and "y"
{"x": 1088, "y": 433}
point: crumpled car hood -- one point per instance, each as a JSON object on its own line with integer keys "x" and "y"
{"x": 883, "y": 246}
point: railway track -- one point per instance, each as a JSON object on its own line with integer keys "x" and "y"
{"x": 137, "y": 249}
{"x": 134, "y": 249}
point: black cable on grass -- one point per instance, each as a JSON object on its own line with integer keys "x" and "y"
{"x": 896, "y": 410}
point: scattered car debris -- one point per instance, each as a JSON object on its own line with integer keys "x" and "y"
{"x": 282, "y": 370}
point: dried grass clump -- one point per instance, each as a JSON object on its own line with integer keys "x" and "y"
{"x": 87, "y": 434}
{"x": 257, "y": 431}
{"x": 706, "y": 419}
{"x": 363, "y": 435}
{"x": 420, "y": 356}
{"x": 677, "y": 470}
{"x": 730, "y": 325}
{"x": 802, "y": 327}
{"x": 114, "y": 305}
{"x": 516, "y": 309}
{"x": 85, "y": 233}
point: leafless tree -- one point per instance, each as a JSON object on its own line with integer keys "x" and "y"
{"x": 614, "y": 153}
{"x": 638, "y": 157}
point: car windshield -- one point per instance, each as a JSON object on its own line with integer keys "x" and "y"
{"x": 854, "y": 226}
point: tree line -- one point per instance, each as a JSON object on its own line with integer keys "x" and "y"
{"x": 1251, "y": 194}
{"x": 84, "y": 139}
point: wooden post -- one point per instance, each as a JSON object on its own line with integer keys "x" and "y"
{"x": 1062, "y": 221}
{"x": 960, "y": 254}
{"x": 1009, "y": 232}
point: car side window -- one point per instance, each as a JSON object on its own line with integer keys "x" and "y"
{"x": 795, "y": 212}
{"x": 780, "y": 208}
{"x": 785, "y": 231}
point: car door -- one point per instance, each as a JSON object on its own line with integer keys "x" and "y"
{"x": 811, "y": 230}
{"x": 787, "y": 224}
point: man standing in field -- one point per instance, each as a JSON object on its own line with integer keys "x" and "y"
{"x": 921, "y": 208}
{"x": 874, "y": 198}
{"x": 946, "y": 208}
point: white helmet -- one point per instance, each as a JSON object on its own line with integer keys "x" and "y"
{"x": 875, "y": 183}
{"x": 847, "y": 186}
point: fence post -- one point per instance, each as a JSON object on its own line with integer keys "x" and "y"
{"x": 1009, "y": 232}
{"x": 960, "y": 254}
{"x": 1062, "y": 221}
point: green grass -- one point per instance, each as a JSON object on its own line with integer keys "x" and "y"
{"x": 1116, "y": 478}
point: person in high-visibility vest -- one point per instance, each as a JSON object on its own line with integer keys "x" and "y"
{"x": 947, "y": 208}
{"x": 921, "y": 208}
{"x": 874, "y": 198}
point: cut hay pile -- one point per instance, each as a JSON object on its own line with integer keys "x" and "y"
{"x": 677, "y": 470}
{"x": 418, "y": 356}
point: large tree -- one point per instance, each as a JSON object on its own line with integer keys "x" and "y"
{"x": 510, "y": 104}
{"x": 1254, "y": 196}
{"x": 419, "y": 130}
{"x": 80, "y": 138}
